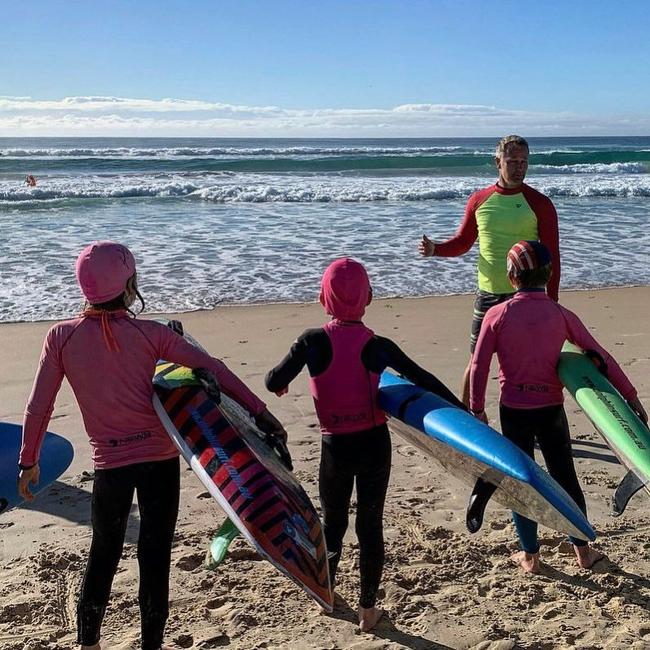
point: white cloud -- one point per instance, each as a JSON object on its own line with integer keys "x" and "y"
{"x": 121, "y": 116}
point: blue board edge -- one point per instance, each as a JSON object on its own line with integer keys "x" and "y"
{"x": 437, "y": 418}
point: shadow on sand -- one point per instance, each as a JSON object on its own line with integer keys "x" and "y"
{"x": 72, "y": 503}
{"x": 385, "y": 629}
{"x": 634, "y": 593}
{"x": 586, "y": 453}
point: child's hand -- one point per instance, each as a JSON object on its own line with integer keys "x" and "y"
{"x": 270, "y": 424}
{"x": 276, "y": 436}
{"x": 637, "y": 407}
{"x": 25, "y": 478}
{"x": 282, "y": 391}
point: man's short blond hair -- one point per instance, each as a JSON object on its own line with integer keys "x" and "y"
{"x": 510, "y": 141}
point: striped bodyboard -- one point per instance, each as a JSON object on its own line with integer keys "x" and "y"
{"x": 261, "y": 497}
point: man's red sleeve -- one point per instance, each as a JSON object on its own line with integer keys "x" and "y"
{"x": 548, "y": 233}
{"x": 466, "y": 234}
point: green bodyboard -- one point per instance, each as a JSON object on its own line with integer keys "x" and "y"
{"x": 623, "y": 431}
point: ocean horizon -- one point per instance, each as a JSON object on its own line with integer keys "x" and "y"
{"x": 242, "y": 221}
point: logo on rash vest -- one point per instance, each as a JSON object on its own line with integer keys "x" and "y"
{"x": 350, "y": 418}
{"x": 533, "y": 388}
{"x": 136, "y": 437}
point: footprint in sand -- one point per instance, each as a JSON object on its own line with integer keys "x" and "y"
{"x": 184, "y": 640}
{"x": 190, "y": 562}
{"x": 551, "y": 612}
{"x": 215, "y": 641}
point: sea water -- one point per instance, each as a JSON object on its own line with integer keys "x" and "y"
{"x": 228, "y": 221}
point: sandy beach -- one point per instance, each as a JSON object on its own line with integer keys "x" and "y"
{"x": 442, "y": 587}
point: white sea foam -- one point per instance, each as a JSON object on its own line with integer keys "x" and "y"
{"x": 593, "y": 168}
{"x": 276, "y": 150}
{"x": 199, "y": 152}
{"x": 260, "y": 188}
{"x": 198, "y": 255}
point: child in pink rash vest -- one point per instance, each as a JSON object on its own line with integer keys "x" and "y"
{"x": 527, "y": 333}
{"x": 345, "y": 359}
{"x": 109, "y": 358}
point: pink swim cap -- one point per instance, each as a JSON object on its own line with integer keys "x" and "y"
{"x": 345, "y": 289}
{"x": 103, "y": 269}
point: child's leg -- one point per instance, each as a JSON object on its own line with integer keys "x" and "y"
{"x": 111, "y": 503}
{"x": 516, "y": 427}
{"x": 158, "y": 488}
{"x": 555, "y": 442}
{"x": 335, "y": 483}
{"x": 374, "y": 463}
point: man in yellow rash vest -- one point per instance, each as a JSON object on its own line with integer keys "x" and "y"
{"x": 500, "y": 216}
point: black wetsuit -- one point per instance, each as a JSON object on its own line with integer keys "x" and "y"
{"x": 157, "y": 484}
{"x": 362, "y": 455}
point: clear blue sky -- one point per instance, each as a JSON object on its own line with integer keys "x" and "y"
{"x": 586, "y": 57}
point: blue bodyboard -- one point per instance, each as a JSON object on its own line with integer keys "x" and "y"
{"x": 56, "y": 456}
{"x": 471, "y": 450}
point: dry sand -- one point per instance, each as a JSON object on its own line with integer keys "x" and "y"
{"x": 442, "y": 588}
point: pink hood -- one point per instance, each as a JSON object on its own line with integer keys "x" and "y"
{"x": 103, "y": 269}
{"x": 345, "y": 289}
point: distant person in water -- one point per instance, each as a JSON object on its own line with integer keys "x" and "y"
{"x": 30, "y": 180}
{"x": 499, "y": 216}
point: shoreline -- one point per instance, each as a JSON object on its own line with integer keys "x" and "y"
{"x": 442, "y": 587}
{"x": 290, "y": 303}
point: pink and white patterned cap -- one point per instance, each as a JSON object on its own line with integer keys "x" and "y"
{"x": 527, "y": 255}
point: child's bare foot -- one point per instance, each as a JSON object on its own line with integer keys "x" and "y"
{"x": 529, "y": 562}
{"x": 587, "y": 556}
{"x": 369, "y": 617}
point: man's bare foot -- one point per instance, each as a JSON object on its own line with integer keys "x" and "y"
{"x": 369, "y": 617}
{"x": 587, "y": 556}
{"x": 91, "y": 647}
{"x": 529, "y": 562}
